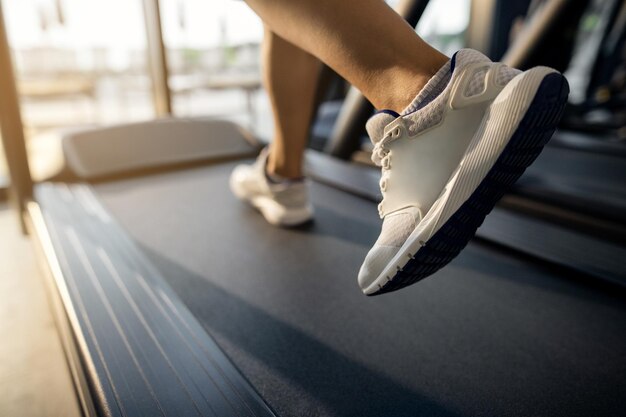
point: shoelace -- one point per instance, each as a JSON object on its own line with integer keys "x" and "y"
{"x": 379, "y": 152}
{"x": 382, "y": 158}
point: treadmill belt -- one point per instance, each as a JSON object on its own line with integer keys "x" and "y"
{"x": 489, "y": 335}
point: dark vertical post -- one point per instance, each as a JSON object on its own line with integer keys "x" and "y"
{"x": 21, "y": 187}
{"x": 350, "y": 125}
{"x": 535, "y": 32}
{"x": 157, "y": 59}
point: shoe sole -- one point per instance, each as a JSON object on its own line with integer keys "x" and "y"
{"x": 532, "y": 133}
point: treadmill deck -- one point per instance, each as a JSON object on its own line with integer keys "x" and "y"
{"x": 491, "y": 334}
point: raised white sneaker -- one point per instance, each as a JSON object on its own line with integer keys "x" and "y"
{"x": 283, "y": 203}
{"x": 449, "y": 157}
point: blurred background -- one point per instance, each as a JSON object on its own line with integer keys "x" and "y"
{"x": 82, "y": 63}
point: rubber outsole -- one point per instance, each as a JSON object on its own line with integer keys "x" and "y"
{"x": 534, "y": 131}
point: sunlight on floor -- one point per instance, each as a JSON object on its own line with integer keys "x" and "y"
{"x": 34, "y": 378}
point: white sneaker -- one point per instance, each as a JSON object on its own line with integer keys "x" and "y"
{"x": 283, "y": 203}
{"x": 449, "y": 157}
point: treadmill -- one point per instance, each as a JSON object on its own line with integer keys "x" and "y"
{"x": 175, "y": 299}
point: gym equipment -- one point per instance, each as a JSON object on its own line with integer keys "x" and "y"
{"x": 175, "y": 301}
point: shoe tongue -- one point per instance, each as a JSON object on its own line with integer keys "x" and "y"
{"x": 376, "y": 124}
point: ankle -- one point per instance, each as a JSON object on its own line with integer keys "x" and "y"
{"x": 404, "y": 84}
{"x": 401, "y": 93}
{"x": 277, "y": 168}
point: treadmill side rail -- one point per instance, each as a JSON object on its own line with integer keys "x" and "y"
{"x": 141, "y": 351}
{"x": 64, "y": 314}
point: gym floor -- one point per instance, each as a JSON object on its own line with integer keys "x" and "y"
{"x": 34, "y": 378}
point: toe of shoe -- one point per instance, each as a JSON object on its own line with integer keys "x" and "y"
{"x": 238, "y": 179}
{"x": 375, "y": 262}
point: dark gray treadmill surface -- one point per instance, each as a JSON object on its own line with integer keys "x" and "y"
{"x": 592, "y": 183}
{"x": 489, "y": 335}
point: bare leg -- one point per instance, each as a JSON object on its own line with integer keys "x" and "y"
{"x": 365, "y": 41}
{"x": 290, "y": 76}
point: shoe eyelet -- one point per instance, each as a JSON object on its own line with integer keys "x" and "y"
{"x": 383, "y": 184}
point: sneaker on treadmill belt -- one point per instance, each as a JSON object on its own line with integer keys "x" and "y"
{"x": 449, "y": 157}
{"x": 282, "y": 203}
